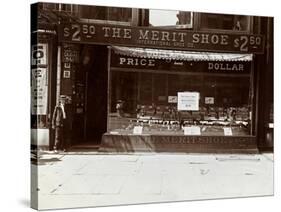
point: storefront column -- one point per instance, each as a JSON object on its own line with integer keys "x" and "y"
{"x": 109, "y": 91}
{"x": 58, "y": 81}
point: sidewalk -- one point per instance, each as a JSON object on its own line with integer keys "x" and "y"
{"x": 84, "y": 179}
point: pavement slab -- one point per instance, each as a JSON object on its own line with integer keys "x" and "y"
{"x": 85, "y": 180}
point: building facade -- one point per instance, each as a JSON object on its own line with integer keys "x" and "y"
{"x": 187, "y": 82}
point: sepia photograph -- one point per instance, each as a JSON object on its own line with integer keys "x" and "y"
{"x": 138, "y": 105}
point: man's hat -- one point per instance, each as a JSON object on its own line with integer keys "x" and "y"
{"x": 65, "y": 98}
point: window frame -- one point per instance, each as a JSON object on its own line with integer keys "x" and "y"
{"x": 248, "y": 31}
{"x": 133, "y": 22}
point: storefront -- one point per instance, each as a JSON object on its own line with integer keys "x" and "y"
{"x": 143, "y": 89}
{"x": 167, "y": 100}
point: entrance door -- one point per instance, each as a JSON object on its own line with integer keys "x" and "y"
{"x": 96, "y": 95}
{"x": 89, "y": 125}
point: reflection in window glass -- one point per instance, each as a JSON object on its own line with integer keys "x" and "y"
{"x": 170, "y": 18}
{"x": 159, "y": 87}
{"x": 225, "y": 22}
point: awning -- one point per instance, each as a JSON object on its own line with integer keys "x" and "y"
{"x": 180, "y": 55}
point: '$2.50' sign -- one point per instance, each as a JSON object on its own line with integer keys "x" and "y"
{"x": 160, "y": 38}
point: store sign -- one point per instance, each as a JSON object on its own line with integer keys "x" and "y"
{"x": 70, "y": 53}
{"x": 239, "y": 67}
{"x": 231, "y": 141}
{"x": 158, "y": 38}
{"x": 70, "y": 56}
{"x": 39, "y": 91}
{"x": 233, "y": 67}
{"x": 39, "y": 54}
{"x": 134, "y": 61}
{"x": 188, "y": 101}
{"x": 66, "y": 74}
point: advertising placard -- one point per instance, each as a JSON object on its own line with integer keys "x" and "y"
{"x": 188, "y": 101}
{"x": 137, "y": 130}
{"x": 209, "y": 100}
{"x": 39, "y": 91}
{"x": 172, "y": 99}
{"x": 194, "y": 130}
{"x": 39, "y": 54}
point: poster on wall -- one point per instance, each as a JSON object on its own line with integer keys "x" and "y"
{"x": 188, "y": 101}
{"x": 39, "y": 91}
{"x": 39, "y": 54}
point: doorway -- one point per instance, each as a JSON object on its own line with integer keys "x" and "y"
{"x": 89, "y": 126}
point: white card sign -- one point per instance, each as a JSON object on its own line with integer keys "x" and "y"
{"x": 227, "y": 131}
{"x": 172, "y": 99}
{"x": 194, "y": 130}
{"x": 188, "y": 101}
{"x": 137, "y": 130}
{"x": 209, "y": 100}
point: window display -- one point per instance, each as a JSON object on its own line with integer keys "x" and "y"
{"x": 170, "y": 101}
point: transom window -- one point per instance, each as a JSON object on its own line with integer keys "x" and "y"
{"x": 225, "y": 22}
{"x": 170, "y": 19}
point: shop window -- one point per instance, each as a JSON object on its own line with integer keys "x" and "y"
{"x": 106, "y": 14}
{"x": 160, "y": 89}
{"x": 225, "y": 22}
{"x": 124, "y": 90}
{"x": 145, "y": 92}
{"x": 151, "y": 100}
{"x": 170, "y": 19}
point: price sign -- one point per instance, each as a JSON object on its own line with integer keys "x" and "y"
{"x": 227, "y": 131}
{"x": 137, "y": 130}
{"x": 194, "y": 130}
{"x": 172, "y": 39}
{"x": 188, "y": 101}
{"x": 245, "y": 43}
{"x": 209, "y": 100}
{"x": 172, "y": 99}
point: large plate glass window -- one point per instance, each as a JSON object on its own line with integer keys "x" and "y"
{"x": 218, "y": 97}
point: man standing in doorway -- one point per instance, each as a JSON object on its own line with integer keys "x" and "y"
{"x": 58, "y": 118}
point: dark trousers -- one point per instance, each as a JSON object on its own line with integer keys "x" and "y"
{"x": 59, "y": 140}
